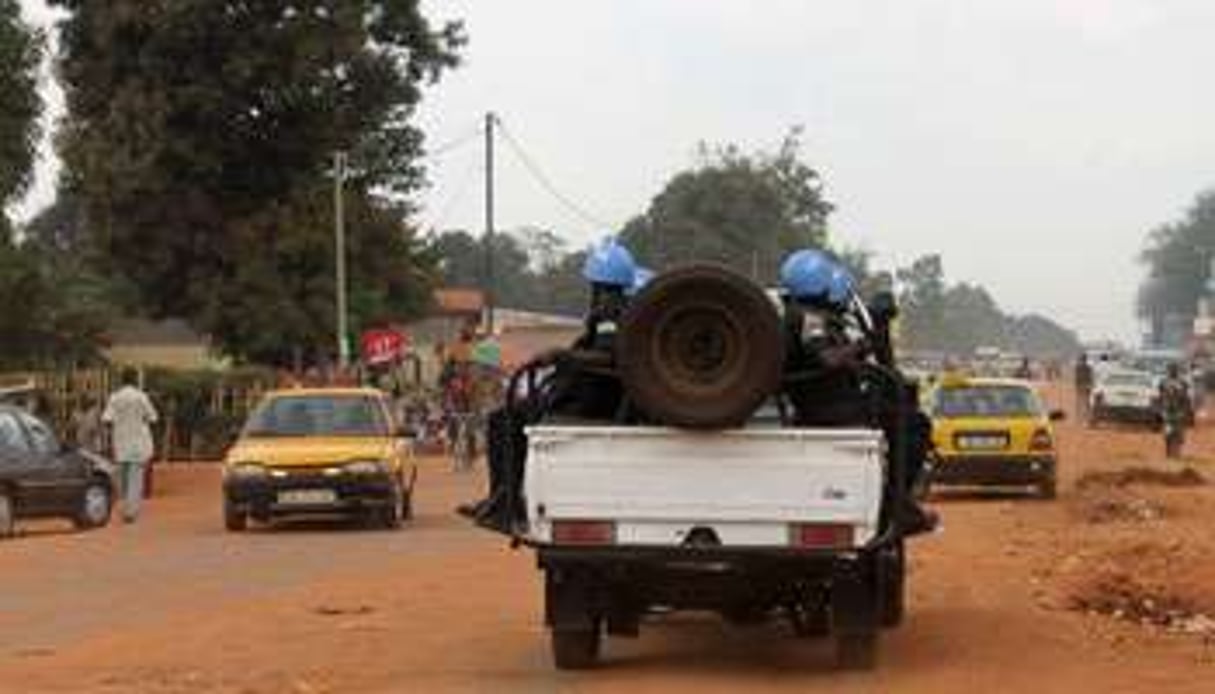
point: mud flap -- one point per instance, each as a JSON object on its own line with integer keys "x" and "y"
{"x": 568, "y": 600}
{"x": 855, "y": 598}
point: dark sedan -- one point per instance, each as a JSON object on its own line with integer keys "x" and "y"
{"x": 42, "y": 478}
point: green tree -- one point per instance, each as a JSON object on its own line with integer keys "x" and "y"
{"x": 562, "y": 289}
{"x": 462, "y": 258}
{"x": 957, "y": 318}
{"x": 20, "y": 105}
{"x": 544, "y": 248}
{"x": 199, "y": 137}
{"x": 1177, "y": 257}
{"x": 746, "y": 211}
{"x": 922, "y": 298}
{"x": 1038, "y": 335}
{"x": 56, "y": 313}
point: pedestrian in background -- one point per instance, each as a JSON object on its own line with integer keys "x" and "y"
{"x": 1176, "y": 411}
{"x": 1025, "y": 372}
{"x": 1083, "y": 378}
{"x": 86, "y": 425}
{"x": 130, "y": 415}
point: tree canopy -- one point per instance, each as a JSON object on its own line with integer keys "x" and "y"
{"x": 533, "y": 269}
{"x": 56, "y": 310}
{"x": 199, "y": 140}
{"x": 20, "y": 105}
{"x": 958, "y": 318}
{"x": 1177, "y": 257}
{"x": 746, "y": 211}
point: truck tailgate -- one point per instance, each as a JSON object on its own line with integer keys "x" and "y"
{"x": 747, "y": 486}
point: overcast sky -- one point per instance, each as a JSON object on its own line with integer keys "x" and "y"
{"x": 1031, "y": 142}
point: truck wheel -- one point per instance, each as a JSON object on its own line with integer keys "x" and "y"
{"x": 700, "y": 347}
{"x": 235, "y": 518}
{"x": 892, "y": 574}
{"x": 856, "y": 651}
{"x": 576, "y": 649}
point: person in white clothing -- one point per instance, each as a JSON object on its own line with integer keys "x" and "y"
{"x": 130, "y": 415}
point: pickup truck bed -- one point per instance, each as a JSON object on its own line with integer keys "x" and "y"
{"x": 746, "y": 488}
{"x": 752, "y": 523}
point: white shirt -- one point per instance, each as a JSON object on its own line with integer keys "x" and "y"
{"x": 131, "y": 413}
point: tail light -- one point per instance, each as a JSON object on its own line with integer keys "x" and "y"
{"x": 820, "y": 535}
{"x": 1041, "y": 441}
{"x": 583, "y": 532}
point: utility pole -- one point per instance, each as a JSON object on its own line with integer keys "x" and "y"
{"x": 488, "y": 286}
{"x": 339, "y": 240}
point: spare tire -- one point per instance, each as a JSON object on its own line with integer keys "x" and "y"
{"x": 700, "y": 347}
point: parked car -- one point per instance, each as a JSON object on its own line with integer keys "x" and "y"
{"x": 330, "y": 450}
{"x": 40, "y": 477}
{"x": 992, "y": 432}
{"x": 1125, "y": 396}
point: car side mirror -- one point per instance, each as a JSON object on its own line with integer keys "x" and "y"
{"x": 1057, "y": 415}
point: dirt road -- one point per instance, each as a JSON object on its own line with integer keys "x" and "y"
{"x": 1106, "y": 589}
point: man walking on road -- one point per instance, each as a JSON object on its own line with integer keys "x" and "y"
{"x": 130, "y": 413}
{"x": 1175, "y": 410}
{"x": 1084, "y": 386}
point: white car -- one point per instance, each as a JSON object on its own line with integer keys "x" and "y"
{"x": 1125, "y": 396}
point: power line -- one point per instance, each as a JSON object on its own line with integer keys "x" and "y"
{"x": 462, "y": 186}
{"x": 453, "y": 144}
{"x": 545, "y": 182}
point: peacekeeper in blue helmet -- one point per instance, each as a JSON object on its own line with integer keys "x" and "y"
{"x": 817, "y": 292}
{"x": 612, "y": 273}
{"x": 826, "y": 350}
{"x": 585, "y": 384}
{"x": 578, "y": 382}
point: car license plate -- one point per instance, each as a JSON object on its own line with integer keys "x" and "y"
{"x": 307, "y": 497}
{"x": 983, "y": 442}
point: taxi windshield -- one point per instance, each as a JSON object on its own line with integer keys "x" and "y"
{"x": 986, "y": 401}
{"x": 317, "y": 415}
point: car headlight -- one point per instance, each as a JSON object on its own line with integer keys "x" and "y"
{"x": 365, "y": 467}
{"x": 246, "y": 470}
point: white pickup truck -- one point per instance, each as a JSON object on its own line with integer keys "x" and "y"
{"x": 751, "y": 523}
{"x": 714, "y": 450}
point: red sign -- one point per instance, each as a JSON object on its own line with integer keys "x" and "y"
{"x": 383, "y": 346}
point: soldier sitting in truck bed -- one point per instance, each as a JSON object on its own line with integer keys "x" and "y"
{"x": 576, "y": 383}
{"x": 824, "y": 381}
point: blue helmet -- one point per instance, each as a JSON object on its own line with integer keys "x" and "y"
{"x": 610, "y": 263}
{"x": 808, "y": 274}
{"x": 641, "y": 277}
{"x": 841, "y": 287}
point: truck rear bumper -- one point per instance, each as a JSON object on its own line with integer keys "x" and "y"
{"x": 638, "y": 555}
{"x": 627, "y": 580}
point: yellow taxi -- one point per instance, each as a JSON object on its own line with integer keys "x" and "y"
{"x": 325, "y": 450}
{"x": 992, "y": 432}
